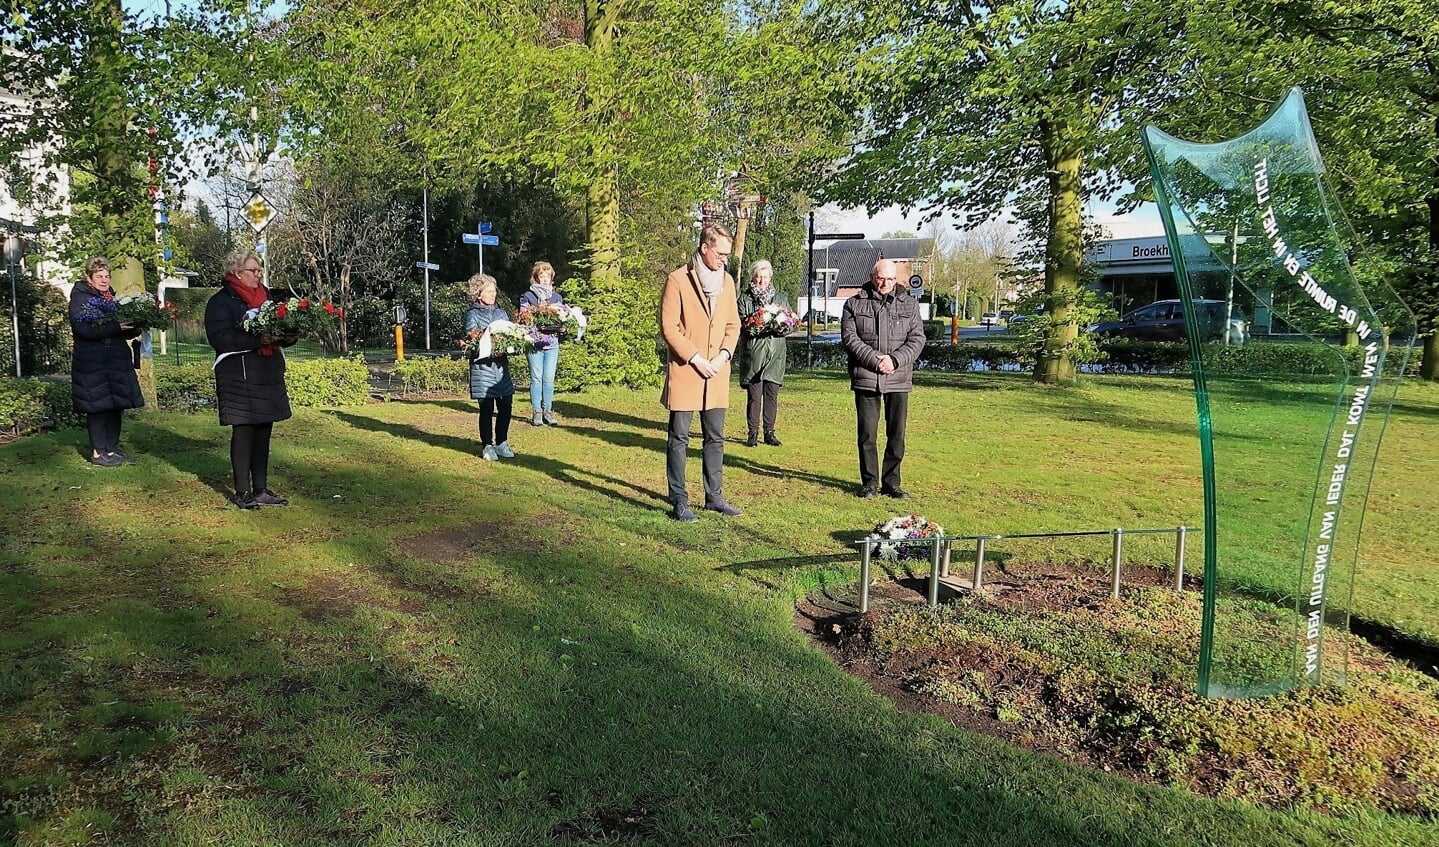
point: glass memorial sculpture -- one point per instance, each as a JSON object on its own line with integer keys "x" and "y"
{"x": 1296, "y": 357}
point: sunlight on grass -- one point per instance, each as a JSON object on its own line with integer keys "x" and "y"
{"x": 430, "y": 649}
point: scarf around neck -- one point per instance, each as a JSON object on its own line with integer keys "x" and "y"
{"x": 544, "y": 293}
{"x": 254, "y": 297}
{"x": 711, "y": 282}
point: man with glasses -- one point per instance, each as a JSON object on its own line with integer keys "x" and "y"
{"x": 699, "y": 317}
{"x": 883, "y": 334}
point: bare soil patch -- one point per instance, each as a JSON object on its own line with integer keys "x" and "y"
{"x": 1046, "y": 660}
{"x": 1023, "y": 586}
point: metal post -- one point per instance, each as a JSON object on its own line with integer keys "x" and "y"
{"x": 1179, "y": 557}
{"x": 809, "y": 301}
{"x": 425, "y": 230}
{"x": 934, "y": 554}
{"x": 944, "y": 566}
{"x": 978, "y": 565}
{"x": 13, "y": 255}
{"x": 1118, "y": 557}
{"x": 865, "y": 548}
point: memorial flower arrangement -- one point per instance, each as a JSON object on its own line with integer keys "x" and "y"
{"x": 145, "y": 310}
{"x": 551, "y": 319}
{"x": 907, "y": 528}
{"x": 772, "y": 320}
{"x": 294, "y": 317}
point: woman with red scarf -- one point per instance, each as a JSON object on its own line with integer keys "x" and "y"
{"x": 102, "y": 370}
{"x": 249, "y": 378}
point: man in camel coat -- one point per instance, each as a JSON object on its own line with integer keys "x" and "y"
{"x": 699, "y": 317}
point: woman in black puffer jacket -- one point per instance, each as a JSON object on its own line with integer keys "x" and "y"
{"x": 102, "y": 371}
{"x": 249, "y": 379}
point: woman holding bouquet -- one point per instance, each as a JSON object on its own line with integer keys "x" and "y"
{"x": 545, "y": 360}
{"x": 249, "y": 378}
{"x": 102, "y": 370}
{"x": 762, "y": 357}
{"x": 490, "y": 381}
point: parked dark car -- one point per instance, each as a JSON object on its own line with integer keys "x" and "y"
{"x": 1163, "y": 320}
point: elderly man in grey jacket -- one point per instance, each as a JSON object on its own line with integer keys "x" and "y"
{"x": 883, "y": 334}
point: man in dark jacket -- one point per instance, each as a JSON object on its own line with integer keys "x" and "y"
{"x": 884, "y": 335}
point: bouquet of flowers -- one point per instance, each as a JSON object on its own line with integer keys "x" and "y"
{"x": 555, "y": 319}
{"x": 98, "y": 310}
{"x": 905, "y": 528}
{"x": 294, "y": 317}
{"x": 771, "y": 321}
{"x": 505, "y": 338}
{"x": 512, "y": 338}
{"x": 471, "y": 342}
{"x": 145, "y": 310}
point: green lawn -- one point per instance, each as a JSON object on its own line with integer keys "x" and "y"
{"x": 427, "y": 649}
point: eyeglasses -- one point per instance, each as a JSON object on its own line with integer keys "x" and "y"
{"x": 250, "y": 271}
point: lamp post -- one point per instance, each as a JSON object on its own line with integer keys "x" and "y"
{"x": 14, "y": 252}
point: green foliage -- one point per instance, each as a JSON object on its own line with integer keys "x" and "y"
{"x": 309, "y": 382}
{"x": 622, "y": 343}
{"x": 60, "y": 406}
{"x": 120, "y": 87}
{"x": 44, "y": 328}
{"x": 429, "y": 373}
{"x": 1082, "y": 307}
{"x": 334, "y": 381}
{"x": 1114, "y": 681}
{"x": 22, "y": 405}
{"x": 186, "y": 388}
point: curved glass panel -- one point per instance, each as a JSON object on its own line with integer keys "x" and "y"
{"x": 1289, "y": 428}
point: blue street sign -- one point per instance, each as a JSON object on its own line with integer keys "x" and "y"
{"x": 485, "y": 227}
{"x": 489, "y": 240}
{"x": 471, "y": 238}
{"x": 429, "y": 266}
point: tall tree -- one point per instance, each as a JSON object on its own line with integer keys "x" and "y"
{"x": 633, "y": 107}
{"x": 340, "y": 235}
{"x": 979, "y": 106}
{"x": 1370, "y": 73}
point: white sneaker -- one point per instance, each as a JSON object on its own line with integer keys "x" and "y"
{"x": 489, "y": 454}
{"x": 503, "y": 448}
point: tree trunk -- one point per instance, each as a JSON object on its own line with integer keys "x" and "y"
{"x": 1429, "y": 364}
{"x": 602, "y": 199}
{"x": 114, "y": 169}
{"x": 1062, "y": 256}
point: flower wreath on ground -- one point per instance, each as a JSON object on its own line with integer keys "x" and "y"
{"x": 904, "y": 528}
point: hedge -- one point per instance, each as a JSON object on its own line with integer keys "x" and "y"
{"x": 1134, "y": 357}
{"x": 451, "y": 374}
{"x": 22, "y": 406}
{"x": 25, "y": 404}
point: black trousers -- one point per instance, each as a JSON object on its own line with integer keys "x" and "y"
{"x": 495, "y": 419}
{"x": 104, "y": 428}
{"x": 712, "y": 451}
{"x": 763, "y": 402}
{"x": 896, "y": 415}
{"x": 250, "y": 456}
